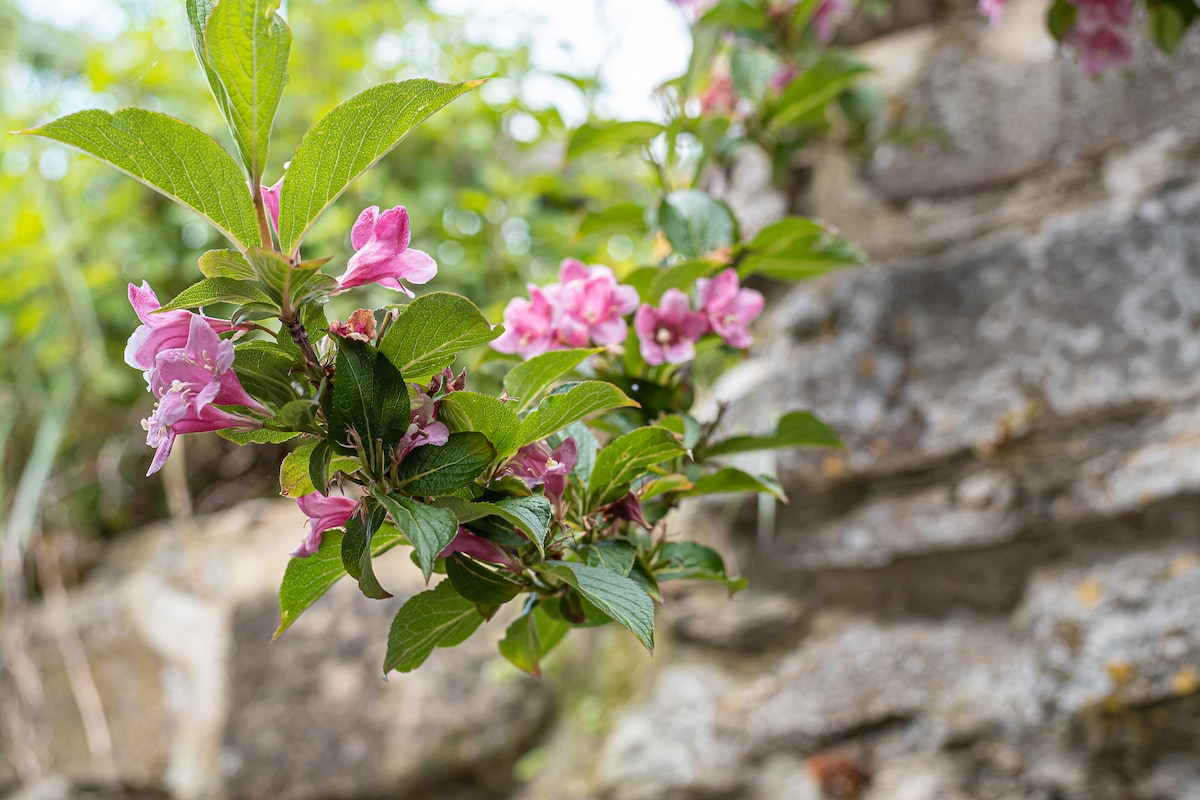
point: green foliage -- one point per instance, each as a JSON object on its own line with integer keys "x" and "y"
{"x": 432, "y": 330}
{"x": 440, "y": 617}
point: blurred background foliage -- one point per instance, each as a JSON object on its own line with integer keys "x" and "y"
{"x": 485, "y": 181}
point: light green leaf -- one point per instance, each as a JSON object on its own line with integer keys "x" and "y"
{"x": 433, "y": 329}
{"x": 264, "y": 370}
{"x": 440, "y": 617}
{"x": 729, "y": 479}
{"x": 653, "y": 282}
{"x": 559, "y": 410}
{"x": 532, "y": 514}
{"x": 626, "y": 458}
{"x": 225, "y": 264}
{"x": 294, "y": 480}
{"x": 805, "y": 97}
{"x": 429, "y": 470}
{"x": 526, "y": 382}
{"x": 614, "y": 594}
{"x": 428, "y": 529}
{"x": 216, "y": 290}
{"x": 472, "y": 411}
{"x": 689, "y": 560}
{"x": 307, "y": 579}
{"x": 617, "y": 555}
{"x": 611, "y": 136}
{"x": 695, "y": 224}
{"x": 247, "y": 47}
{"x": 530, "y": 637}
{"x": 171, "y": 157}
{"x": 257, "y": 435}
{"x": 795, "y": 429}
{"x": 348, "y": 140}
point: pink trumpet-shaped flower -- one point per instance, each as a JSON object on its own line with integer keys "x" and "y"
{"x": 474, "y": 545}
{"x": 159, "y": 332}
{"x": 593, "y": 304}
{"x": 423, "y": 429}
{"x": 383, "y": 257}
{"x": 324, "y": 513}
{"x": 529, "y": 325}
{"x": 538, "y": 465}
{"x": 189, "y": 382}
{"x": 728, "y": 308}
{"x": 270, "y": 196}
{"x": 668, "y": 334}
{"x": 1101, "y": 33}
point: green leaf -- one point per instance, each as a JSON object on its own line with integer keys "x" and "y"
{"x": 216, "y": 290}
{"x": 559, "y": 410}
{"x": 430, "y": 470}
{"x": 294, "y": 480}
{"x": 257, "y": 435}
{"x": 626, "y": 458}
{"x": 247, "y": 47}
{"x": 614, "y": 594}
{"x": 751, "y": 70}
{"x": 168, "y": 155}
{"x": 369, "y": 396}
{"x": 1060, "y": 18}
{"x": 795, "y": 429}
{"x": 1167, "y": 26}
{"x": 729, "y": 479}
{"x": 696, "y": 224}
{"x": 736, "y": 14}
{"x": 478, "y": 583}
{"x": 225, "y": 264}
{"x": 433, "y": 329}
{"x": 689, "y": 560}
{"x": 667, "y": 484}
{"x": 532, "y": 514}
{"x": 585, "y": 445}
{"x": 682, "y": 276}
{"x": 440, "y": 617}
{"x": 625, "y": 218}
{"x": 429, "y": 529}
{"x": 526, "y": 382}
{"x": 348, "y": 140}
{"x": 805, "y": 97}
{"x": 472, "y": 411}
{"x": 795, "y": 249}
{"x": 306, "y": 580}
{"x": 357, "y": 552}
{"x": 264, "y": 370}
{"x": 319, "y": 460}
{"x": 611, "y": 136}
{"x": 617, "y": 555}
{"x": 272, "y": 269}
{"x": 530, "y": 637}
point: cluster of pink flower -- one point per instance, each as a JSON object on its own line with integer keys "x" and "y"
{"x": 1100, "y": 33}
{"x": 588, "y": 306}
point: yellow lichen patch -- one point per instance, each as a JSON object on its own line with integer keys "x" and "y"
{"x": 833, "y": 467}
{"x": 1185, "y": 682}
{"x": 1089, "y": 594}
{"x": 1121, "y": 672}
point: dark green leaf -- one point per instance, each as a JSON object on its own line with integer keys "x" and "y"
{"x": 433, "y": 329}
{"x": 478, "y": 583}
{"x": 689, "y": 560}
{"x": 532, "y": 514}
{"x": 1167, "y": 26}
{"x": 615, "y": 554}
{"x": 264, "y": 370}
{"x": 168, "y": 155}
{"x": 627, "y": 457}
{"x": 428, "y": 529}
{"x": 1060, "y": 18}
{"x": 795, "y": 429}
{"x": 615, "y": 595}
{"x": 530, "y": 637}
{"x": 429, "y": 471}
{"x": 696, "y": 224}
{"x": 348, "y": 140}
{"x": 440, "y": 617}
{"x": 357, "y": 550}
{"x": 370, "y": 397}
{"x": 318, "y": 466}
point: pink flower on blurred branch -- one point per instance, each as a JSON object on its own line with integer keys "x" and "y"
{"x": 827, "y": 17}
{"x": 728, "y": 308}
{"x": 593, "y": 304}
{"x": 993, "y": 10}
{"x": 324, "y": 513}
{"x": 668, "y": 334}
{"x": 383, "y": 257}
{"x": 1101, "y": 33}
{"x": 190, "y": 382}
{"x": 529, "y": 325}
{"x": 720, "y": 97}
{"x": 159, "y": 332}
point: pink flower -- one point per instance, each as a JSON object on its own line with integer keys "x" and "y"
{"x": 324, "y": 513}
{"x": 668, "y": 334}
{"x": 476, "y": 546}
{"x": 538, "y": 465}
{"x": 1101, "y": 33}
{"x": 360, "y": 326}
{"x": 270, "y": 196}
{"x": 422, "y": 428}
{"x": 992, "y": 9}
{"x": 530, "y": 326}
{"x": 720, "y": 97}
{"x": 189, "y": 383}
{"x": 1104, "y": 13}
{"x": 729, "y": 309}
{"x": 159, "y": 332}
{"x": 629, "y": 508}
{"x": 827, "y": 17}
{"x": 593, "y": 304}
{"x": 383, "y": 256}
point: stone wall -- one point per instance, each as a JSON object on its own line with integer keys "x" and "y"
{"x": 993, "y": 592}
